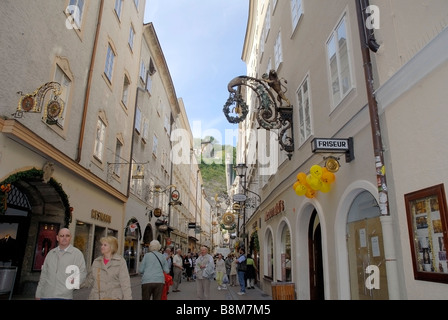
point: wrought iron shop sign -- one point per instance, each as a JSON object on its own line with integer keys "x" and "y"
{"x": 36, "y": 101}
{"x": 271, "y": 114}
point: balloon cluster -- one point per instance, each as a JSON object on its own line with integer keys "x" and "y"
{"x": 319, "y": 179}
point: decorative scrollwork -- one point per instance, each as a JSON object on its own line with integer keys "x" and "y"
{"x": 34, "y": 103}
{"x": 270, "y": 112}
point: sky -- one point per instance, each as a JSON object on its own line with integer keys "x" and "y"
{"x": 202, "y": 41}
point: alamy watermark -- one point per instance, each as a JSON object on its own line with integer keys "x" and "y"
{"x": 373, "y": 21}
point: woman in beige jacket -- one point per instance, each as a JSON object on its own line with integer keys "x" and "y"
{"x": 109, "y": 275}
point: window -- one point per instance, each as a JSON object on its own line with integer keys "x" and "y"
{"x": 145, "y": 129}
{"x": 296, "y": 12}
{"x": 131, "y": 37}
{"x": 167, "y": 124}
{"x": 65, "y": 82}
{"x": 138, "y": 120}
{"x": 303, "y": 98}
{"x": 125, "y": 94}
{"x": 76, "y": 8}
{"x": 142, "y": 71}
{"x": 118, "y": 8}
{"x": 99, "y": 139}
{"x": 155, "y": 143}
{"x": 339, "y": 63}
{"x": 278, "y": 51}
{"x": 109, "y": 63}
{"x": 117, "y": 165}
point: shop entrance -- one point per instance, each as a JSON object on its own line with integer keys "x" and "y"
{"x": 365, "y": 248}
{"x": 315, "y": 258}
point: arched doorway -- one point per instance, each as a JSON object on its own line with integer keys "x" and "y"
{"x": 365, "y": 248}
{"x": 32, "y": 210}
{"x": 315, "y": 258}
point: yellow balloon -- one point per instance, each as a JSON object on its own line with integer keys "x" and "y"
{"x": 328, "y": 177}
{"x": 310, "y": 193}
{"x": 313, "y": 182}
{"x": 294, "y": 186}
{"x": 316, "y": 171}
{"x": 301, "y": 177}
{"x": 326, "y": 187}
{"x": 301, "y": 190}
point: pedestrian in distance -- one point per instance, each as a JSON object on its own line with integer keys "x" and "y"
{"x": 152, "y": 267}
{"x": 228, "y": 263}
{"x": 250, "y": 272}
{"x": 241, "y": 269}
{"x": 109, "y": 274}
{"x": 63, "y": 270}
{"x": 220, "y": 271}
{"x": 233, "y": 271}
{"x": 178, "y": 267}
{"x": 188, "y": 266}
{"x": 205, "y": 272}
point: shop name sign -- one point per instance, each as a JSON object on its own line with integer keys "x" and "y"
{"x": 100, "y": 216}
{"x": 334, "y": 145}
{"x": 277, "y": 209}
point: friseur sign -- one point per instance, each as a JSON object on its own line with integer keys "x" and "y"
{"x": 334, "y": 145}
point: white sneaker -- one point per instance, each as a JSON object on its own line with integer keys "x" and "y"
{"x": 241, "y": 293}
{"x": 219, "y": 287}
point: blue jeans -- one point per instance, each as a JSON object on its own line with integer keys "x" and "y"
{"x": 241, "y": 280}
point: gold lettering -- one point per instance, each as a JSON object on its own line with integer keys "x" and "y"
{"x": 100, "y": 216}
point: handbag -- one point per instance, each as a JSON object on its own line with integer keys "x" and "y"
{"x": 99, "y": 287}
{"x": 168, "y": 277}
{"x": 225, "y": 279}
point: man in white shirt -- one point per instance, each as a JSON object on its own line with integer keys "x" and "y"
{"x": 178, "y": 267}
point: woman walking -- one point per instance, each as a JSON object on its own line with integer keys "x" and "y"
{"x": 109, "y": 275}
{"x": 152, "y": 267}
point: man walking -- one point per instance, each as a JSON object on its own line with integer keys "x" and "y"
{"x": 242, "y": 267}
{"x": 178, "y": 267}
{"x": 64, "y": 269}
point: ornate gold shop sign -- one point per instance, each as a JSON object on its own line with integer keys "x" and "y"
{"x": 100, "y": 216}
{"x": 277, "y": 209}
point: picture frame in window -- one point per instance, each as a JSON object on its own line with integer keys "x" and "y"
{"x": 427, "y": 225}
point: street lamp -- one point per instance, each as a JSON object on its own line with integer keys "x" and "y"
{"x": 241, "y": 169}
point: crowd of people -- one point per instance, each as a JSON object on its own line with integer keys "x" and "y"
{"x": 109, "y": 279}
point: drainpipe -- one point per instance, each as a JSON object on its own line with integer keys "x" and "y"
{"x": 89, "y": 83}
{"x": 368, "y": 43}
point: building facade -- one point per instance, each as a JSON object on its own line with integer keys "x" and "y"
{"x": 332, "y": 241}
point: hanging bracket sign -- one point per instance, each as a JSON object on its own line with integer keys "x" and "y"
{"x": 334, "y": 146}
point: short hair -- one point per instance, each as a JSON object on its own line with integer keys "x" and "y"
{"x": 154, "y": 245}
{"x": 113, "y": 243}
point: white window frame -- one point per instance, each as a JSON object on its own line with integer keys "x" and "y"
{"x": 118, "y": 8}
{"x": 110, "y": 59}
{"x": 337, "y": 83}
{"x": 131, "y": 37}
{"x": 138, "y": 120}
{"x": 304, "y": 111}
{"x": 100, "y": 139}
{"x": 296, "y": 13}
{"x": 125, "y": 93}
{"x": 77, "y": 17}
{"x": 278, "y": 52}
